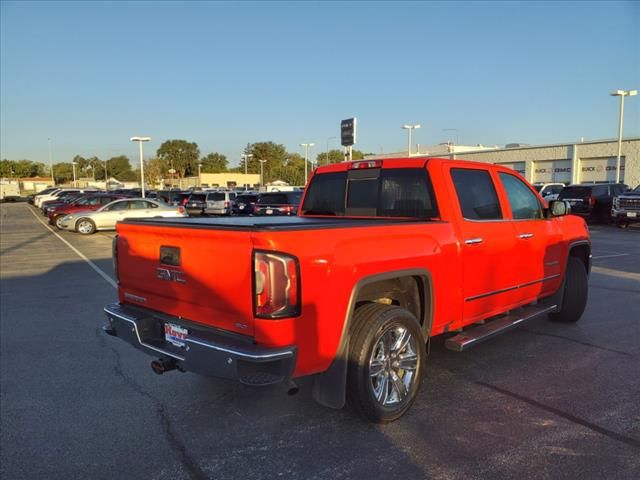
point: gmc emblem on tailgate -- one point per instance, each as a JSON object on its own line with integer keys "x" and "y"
{"x": 170, "y": 275}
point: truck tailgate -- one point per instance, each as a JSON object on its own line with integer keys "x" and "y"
{"x": 198, "y": 274}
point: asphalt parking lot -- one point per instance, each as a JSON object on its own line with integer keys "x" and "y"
{"x": 542, "y": 401}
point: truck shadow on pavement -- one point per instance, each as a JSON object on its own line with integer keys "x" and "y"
{"x": 96, "y": 397}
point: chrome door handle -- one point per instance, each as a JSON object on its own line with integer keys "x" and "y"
{"x": 473, "y": 241}
{"x": 525, "y": 235}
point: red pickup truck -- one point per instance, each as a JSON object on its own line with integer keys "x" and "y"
{"x": 383, "y": 256}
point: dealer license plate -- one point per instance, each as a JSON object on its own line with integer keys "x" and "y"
{"x": 175, "y": 334}
{"x": 241, "y": 207}
{"x": 269, "y": 212}
{"x": 632, "y": 214}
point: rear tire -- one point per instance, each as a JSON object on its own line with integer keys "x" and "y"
{"x": 576, "y": 290}
{"x": 386, "y": 360}
{"x": 85, "y": 226}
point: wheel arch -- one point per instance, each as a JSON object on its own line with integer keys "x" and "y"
{"x": 582, "y": 250}
{"x": 412, "y": 289}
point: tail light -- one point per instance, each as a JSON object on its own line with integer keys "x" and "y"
{"x": 276, "y": 285}
{"x": 181, "y": 210}
{"x": 592, "y": 201}
{"x": 226, "y": 204}
{"x": 288, "y": 209}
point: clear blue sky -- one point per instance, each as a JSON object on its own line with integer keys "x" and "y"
{"x": 90, "y": 75}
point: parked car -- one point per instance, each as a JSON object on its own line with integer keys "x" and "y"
{"x": 195, "y": 203}
{"x": 626, "y": 208}
{"x": 384, "y": 255}
{"x": 174, "y": 197}
{"x": 32, "y": 198}
{"x": 245, "y": 203}
{"x": 549, "y": 191}
{"x": 592, "y": 201}
{"x": 220, "y": 203}
{"x": 278, "y": 203}
{"x": 105, "y": 218}
{"x": 59, "y": 194}
{"x": 46, "y": 194}
{"x": 64, "y": 199}
{"x": 85, "y": 203}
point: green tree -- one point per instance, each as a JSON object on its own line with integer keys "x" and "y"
{"x": 154, "y": 171}
{"x": 336, "y": 156}
{"x": 119, "y": 167}
{"x": 180, "y": 155}
{"x": 63, "y": 172}
{"x": 275, "y": 155}
{"x": 214, "y": 163}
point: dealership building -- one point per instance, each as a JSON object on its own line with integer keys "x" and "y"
{"x": 582, "y": 162}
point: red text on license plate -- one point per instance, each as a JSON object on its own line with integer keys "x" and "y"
{"x": 175, "y": 334}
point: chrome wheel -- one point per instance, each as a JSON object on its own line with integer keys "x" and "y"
{"x": 85, "y": 227}
{"x": 392, "y": 365}
{"x": 59, "y": 222}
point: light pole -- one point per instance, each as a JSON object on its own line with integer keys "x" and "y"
{"x": 262, "y": 162}
{"x": 140, "y": 141}
{"x": 410, "y": 129}
{"x": 53, "y": 179}
{"x": 246, "y": 157}
{"x": 200, "y": 175}
{"x": 306, "y": 158}
{"x": 621, "y": 94}
{"x": 326, "y": 160}
{"x": 73, "y": 165}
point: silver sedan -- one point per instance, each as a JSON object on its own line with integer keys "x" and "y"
{"x": 106, "y": 217}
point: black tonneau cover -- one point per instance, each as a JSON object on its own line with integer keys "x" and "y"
{"x": 268, "y": 223}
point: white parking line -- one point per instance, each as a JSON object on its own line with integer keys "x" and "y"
{"x": 98, "y": 270}
{"x": 611, "y": 256}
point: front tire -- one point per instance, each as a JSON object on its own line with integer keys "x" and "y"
{"x": 576, "y": 290}
{"x": 386, "y": 358}
{"x": 85, "y": 226}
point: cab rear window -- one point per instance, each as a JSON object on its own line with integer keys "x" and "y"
{"x": 393, "y": 192}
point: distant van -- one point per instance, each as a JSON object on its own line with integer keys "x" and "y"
{"x": 219, "y": 203}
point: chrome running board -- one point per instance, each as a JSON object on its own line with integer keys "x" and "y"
{"x": 491, "y": 328}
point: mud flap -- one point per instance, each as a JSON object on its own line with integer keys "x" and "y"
{"x": 330, "y": 387}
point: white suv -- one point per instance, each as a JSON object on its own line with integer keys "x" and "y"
{"x": 549, "y": 191}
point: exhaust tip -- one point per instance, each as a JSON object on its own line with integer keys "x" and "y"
{"x": 292, "y": 388}
{"x": 163, "y": 365}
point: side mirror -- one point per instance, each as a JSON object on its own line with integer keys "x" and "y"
{"x": 559, "y": 208}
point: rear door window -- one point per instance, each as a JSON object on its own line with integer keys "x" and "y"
{"x": 476, "y": 194}
{"x": 138, "y": 205}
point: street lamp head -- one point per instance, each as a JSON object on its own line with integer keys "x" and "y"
{"x": 624, "y": 93}
{"x": 140, "y": 139}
